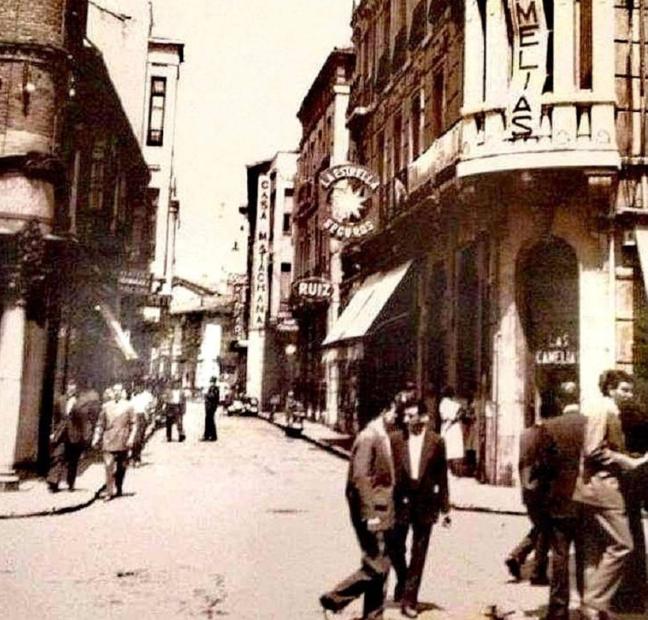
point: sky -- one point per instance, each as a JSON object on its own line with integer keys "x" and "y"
{"x": 248, "y": 65}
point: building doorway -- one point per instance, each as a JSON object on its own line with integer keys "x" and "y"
{"x": 549, "y": 310}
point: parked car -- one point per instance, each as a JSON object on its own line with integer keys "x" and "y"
{"x": 235, "y": 407}
{"x": 250, "y": 405}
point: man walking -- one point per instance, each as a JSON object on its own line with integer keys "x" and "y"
{"x": 420, "y": 493}
{"x": 369, "y": 492}
{"x": 562, "y": 439}
{"x": 68, "y": 439}
{"x": 116, "y": 430}
{"x": 212, "y": 398}
{"x": 606, "y": 534}
{"x": 537, "y": 539}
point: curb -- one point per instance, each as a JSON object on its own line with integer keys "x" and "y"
{"x": 343, "y": 454}
{"x": 55, "y": 511}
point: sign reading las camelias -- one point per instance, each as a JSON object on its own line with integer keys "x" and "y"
{"x": 530, "y": 40}
{"x": 349, "y": 189}
{"x": 259, "y": 304}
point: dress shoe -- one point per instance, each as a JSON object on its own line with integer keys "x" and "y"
{"x": 514, "y": 567}
{"x": 182, "y": 438}
{"x": 398, "y": 593}
{"x": 52, "y": 487}
{"x": 328, "y": 604}
{"x": 409, "y": 612}
{"x": 539, "y": 580}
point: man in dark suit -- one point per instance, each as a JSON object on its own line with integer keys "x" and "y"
{"x": 369, "y": 492}
{"x": 537, "y": 539}
{"x": 420, "y": 493}
{"x": 211, "y": 404}
{"x": 68, "y": 438}
{"x": 562, "y": 443}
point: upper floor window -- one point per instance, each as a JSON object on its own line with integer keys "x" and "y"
{"x": 438, "y": 103}
{"x": 583, "y": 21}
{"x": 97, "y": 176}
{"x": 157, "y": 104}
{"x": 398, "y": 143}
{"x": 286, "y": 223}
{"x": 417, "y": 122}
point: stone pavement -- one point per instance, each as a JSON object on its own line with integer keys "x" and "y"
{"x": 465, "y": 493}
{"x": 34, "y": 499}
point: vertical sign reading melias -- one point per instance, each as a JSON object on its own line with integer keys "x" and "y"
{"x": 529, "y": 67}
{"x": 259, "y": 303}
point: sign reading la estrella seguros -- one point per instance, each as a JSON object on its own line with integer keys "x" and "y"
{"x": 349, "y": 188}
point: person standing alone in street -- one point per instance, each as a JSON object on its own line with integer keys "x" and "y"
{"x": 420, "y": 493}
{"x": 369, "y": 492}
{"x": 176, "y": 404}
{"x": 212, "y": 398}
{"x": 115, "y": 433}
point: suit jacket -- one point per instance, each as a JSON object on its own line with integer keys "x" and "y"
{"x": 420, "y": 500}
{"x": 69, "y": 427}
{"x": 562, "y": 439}
{"x": 116, "y": 427}
{"x": 529, "y": 464}
{"x": 370, "y": 482}
{"x": 211, "y": 398}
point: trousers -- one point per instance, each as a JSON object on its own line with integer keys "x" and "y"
{"x": 408, "y": 576}
{"x": 369, "y": 580}
{"x": 115, "y": 463}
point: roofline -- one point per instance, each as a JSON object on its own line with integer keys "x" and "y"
{"x": 169, "y": 42}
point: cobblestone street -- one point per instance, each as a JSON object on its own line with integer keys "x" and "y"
{"x": 254, "y": 526}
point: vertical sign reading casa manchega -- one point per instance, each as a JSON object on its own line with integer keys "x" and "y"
{"x": 259, "y": 303}
{"x": 529, "y": 67}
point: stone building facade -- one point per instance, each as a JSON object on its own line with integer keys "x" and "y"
{"x": 72, "y": 177}
{"x": 509, "y": 139}
{"x": 324, "y": 143}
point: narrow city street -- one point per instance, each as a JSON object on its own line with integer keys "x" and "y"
{"x": 253, "y": 526}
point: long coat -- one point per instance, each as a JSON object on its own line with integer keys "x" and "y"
{"x": 420, "y": 500}
{"x": 370, "y": 482}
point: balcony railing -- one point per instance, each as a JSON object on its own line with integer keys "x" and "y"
{"x": 574, "y": 132}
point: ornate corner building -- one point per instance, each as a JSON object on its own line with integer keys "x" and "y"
{"x": 72, "y": 183}
{"x": 509, "y": 137}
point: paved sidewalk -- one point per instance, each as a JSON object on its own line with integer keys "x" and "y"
{"x": 33, "y": 499}
{"x": 465, "y": 493}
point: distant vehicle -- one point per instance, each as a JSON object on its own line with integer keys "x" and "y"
{"x": 250, "y": 405}
{"x": 235, "y": 407}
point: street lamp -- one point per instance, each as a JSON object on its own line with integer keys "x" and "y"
{"x": 290, "y": 350}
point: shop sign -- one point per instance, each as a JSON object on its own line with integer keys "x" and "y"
{"x": 530, "y": 44}
{"x": 557, "y": 352}
{"x": 287, "y": 325}
{"x": 261, "y": 248}
{"x": 349, "y": 189}
{"x": 156, "y": 301}
{"x": 137, "y": 282}
{"x": 312, "y": 290}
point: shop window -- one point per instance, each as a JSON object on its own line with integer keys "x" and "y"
{"x": 548, "y": 303}
{"x": 157, "y": 104}
{"x": 467, "y": 313}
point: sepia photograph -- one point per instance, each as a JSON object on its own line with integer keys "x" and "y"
{"x": 323, "y": 309}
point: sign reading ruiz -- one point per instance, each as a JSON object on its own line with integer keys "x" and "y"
{"x": 530, "y": 37}
{"x": 261, "y": 248}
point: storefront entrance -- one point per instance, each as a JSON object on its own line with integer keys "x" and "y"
{"x": 549, "y": 311}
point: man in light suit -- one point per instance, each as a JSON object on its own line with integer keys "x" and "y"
{"x": 115, "y": 432}
{"x": 420, "y": 494}
{"x": 369, "y": 492}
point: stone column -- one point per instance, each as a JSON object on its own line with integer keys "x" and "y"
{"x": 12, "y": 349}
